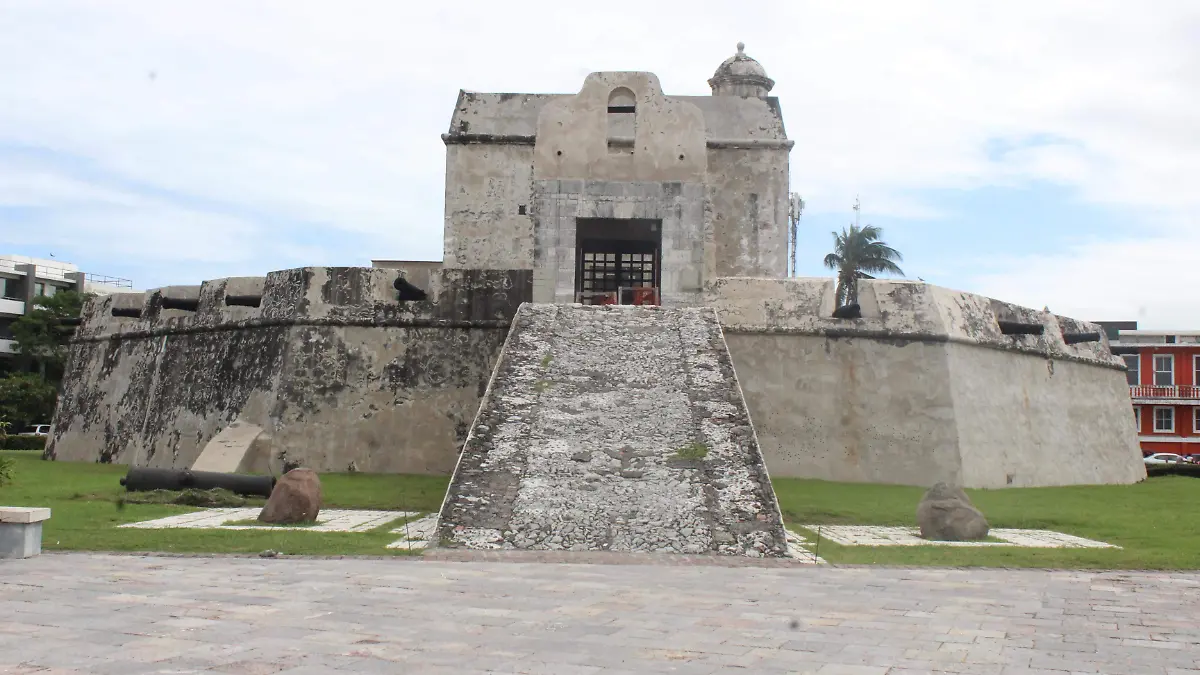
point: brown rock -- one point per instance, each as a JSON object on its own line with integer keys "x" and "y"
{"x": 946, "y": 514}
{"x": 295, "y": 499}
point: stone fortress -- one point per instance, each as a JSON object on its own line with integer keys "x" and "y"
{"x": 664, "y": 408}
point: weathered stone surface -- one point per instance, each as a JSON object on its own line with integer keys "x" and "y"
{"x": 947, "y": 514}
{"x": 295, "y": 499}
{"x": 586, "y": 414}
{"x": 924, "y": 387}
{"x": 523, "y": 170}
{"x": 330, "y": 366}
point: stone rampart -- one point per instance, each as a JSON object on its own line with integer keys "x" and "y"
{"x": 929, "y": 384}
{"x": 327, "y": 361}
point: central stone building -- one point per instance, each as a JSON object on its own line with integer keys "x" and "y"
{"x": 621, "y": 186}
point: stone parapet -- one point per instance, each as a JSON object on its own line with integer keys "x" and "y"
{"x": 329, "y": 296}
{"x": 905, "y": 311}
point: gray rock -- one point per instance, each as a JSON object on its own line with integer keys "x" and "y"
{"x": 632, "y": 473}
{"x": 296, "y": 498}
{"x": 582, "y": 456}
{"x": 947, "y": 514}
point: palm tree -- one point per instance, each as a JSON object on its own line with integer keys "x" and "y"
{"x": 857, "y": 251}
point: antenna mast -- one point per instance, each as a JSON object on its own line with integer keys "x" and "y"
{"x": 795, "y": 211}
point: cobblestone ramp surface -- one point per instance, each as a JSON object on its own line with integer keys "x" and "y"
{"x": 613, "y": 428}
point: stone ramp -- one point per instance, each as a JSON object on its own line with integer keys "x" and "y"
{"x": 613, "y": 428}
{"x": 226, "y": 452}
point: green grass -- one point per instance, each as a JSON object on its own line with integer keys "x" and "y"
{"x": 87, "y": 503}
{"x": 1155, "y": 522}
{"x": 258, "y": 523}
{"x": 692, "y": 451}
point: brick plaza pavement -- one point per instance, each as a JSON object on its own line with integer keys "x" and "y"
{"x": 97, "y": 613}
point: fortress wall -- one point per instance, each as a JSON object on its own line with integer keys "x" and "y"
{"x": 1025, "y": 422}
{"x": 839, "y": 409}
{"x": 924, "y": 387}
{"x": 329, "y": 364}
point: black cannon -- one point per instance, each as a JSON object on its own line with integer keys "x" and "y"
{"x": 1080, "y": 338}
{"x": 408, "y": 292}
{"x": 850, "y": 311}
{"x": 1021, "y": 328}
{"x": 140, "y": 479}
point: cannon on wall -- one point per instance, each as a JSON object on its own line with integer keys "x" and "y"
{"x": 141, "y": 479}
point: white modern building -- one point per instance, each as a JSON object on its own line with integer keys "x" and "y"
{"x": 23, "y": 278}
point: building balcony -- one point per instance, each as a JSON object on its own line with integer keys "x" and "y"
{"x": 10, "y": 306}
{"x": 1183, "y": 394}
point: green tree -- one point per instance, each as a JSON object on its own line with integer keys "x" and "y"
{"x": 857, "y": 251}
{"x": 25, "y": 400}
{"x": 39, "y": 334}
{"x": 6, "y": 464}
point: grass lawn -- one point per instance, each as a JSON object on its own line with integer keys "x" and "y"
{"x": 86, "y": 503}
{"x": 1153, "y": 521}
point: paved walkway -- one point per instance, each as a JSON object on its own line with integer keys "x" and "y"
{"x": 129, "y": 615}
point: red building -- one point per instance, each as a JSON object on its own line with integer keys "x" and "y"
{"x": 1164, "y": 384}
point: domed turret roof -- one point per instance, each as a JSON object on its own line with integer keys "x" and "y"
{"x": 740, "y": 69}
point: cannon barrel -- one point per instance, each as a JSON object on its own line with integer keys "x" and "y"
{"x": 1079, "y": 338}
{"x": 408, "y": 292}
{"x": 140, "y": 479}
{"x": 850, "y": 311}
{"x": 1021, "y": 328}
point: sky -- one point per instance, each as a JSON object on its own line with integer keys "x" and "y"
{"x": 1045, "y": 153}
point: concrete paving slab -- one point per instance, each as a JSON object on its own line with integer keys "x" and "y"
{"x": 647, "y": 615}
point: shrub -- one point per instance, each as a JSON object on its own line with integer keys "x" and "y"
{"x": 24, "y": 443}
{"x": 1173, "y": 470}
{"x": 6, "y": 470}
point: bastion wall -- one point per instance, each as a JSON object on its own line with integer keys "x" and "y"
{"x": 336, "y": 371}
{"x": 925, "y": 386}
{"x": 341, "y": 375}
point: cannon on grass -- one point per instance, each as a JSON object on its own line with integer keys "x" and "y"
{"x": 142, "y": 479}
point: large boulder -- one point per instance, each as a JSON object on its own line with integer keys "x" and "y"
{"x": 946, "y": 514}
{"x": 295, "y": 499}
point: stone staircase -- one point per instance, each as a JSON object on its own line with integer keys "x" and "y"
{"x": 613, "y": 428}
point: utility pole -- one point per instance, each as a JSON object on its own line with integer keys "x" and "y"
{"x": 857, "y": 209}
{"x": 795, "y": 211}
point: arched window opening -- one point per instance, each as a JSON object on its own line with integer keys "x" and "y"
{"x": 622, "y": 114}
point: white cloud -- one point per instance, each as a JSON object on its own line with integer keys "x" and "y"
{"x": 329, "y": 114}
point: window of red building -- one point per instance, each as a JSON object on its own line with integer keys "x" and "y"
{"x": 1132, "y": 369}
{"x": 1164, "y": 420}
{"x": 1164, "y": 370}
